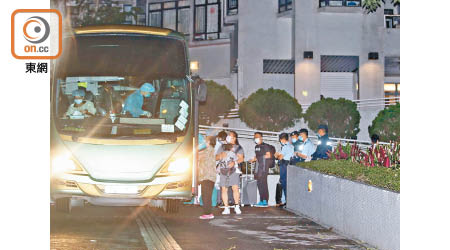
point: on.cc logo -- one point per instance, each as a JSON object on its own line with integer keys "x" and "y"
{"x": 36, "y": 29}
{"x": 36, "y": 34}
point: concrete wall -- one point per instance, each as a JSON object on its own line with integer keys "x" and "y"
{"x": 355, "y": 210}
{"x": 278, "y": 81}
{"x": 342, "y": 31}
{"x": 337, "y": 31}
{"x": 213, "y": 58}
{"x": 262, "y": 35}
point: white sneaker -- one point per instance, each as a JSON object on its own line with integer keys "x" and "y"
{"x": 226, "y": 210}
{"x": 237, "y": 210}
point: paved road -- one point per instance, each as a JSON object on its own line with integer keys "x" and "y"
{"x": 98, "y": 228}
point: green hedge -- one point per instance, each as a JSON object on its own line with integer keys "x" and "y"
{"x": 387, "y": 124}
{"x": 341, "y": 116}
{"x": 377, "y": 176}
{"x": 218, "y": 101}
{"x": 272, "y": 110}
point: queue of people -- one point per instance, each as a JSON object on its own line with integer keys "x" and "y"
{"x": 219, "y": 165}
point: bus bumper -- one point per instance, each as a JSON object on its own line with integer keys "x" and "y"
{"x": 120, "y": 194}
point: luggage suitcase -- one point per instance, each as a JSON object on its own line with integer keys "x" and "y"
{"x": 249, "y": 188}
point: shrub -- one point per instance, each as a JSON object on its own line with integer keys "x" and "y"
{"x": 219, "y": 100}
{"x": 272, "y": 110}
{"x": 341, "y": 116}
{"x": 387, "y": 124}
{"x": 381, "y": 177}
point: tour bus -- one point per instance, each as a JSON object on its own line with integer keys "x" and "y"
{"x": 111, "y": 158}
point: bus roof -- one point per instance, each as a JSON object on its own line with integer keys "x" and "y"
{"x": 127, "y": 29}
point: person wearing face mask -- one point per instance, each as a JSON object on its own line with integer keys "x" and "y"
{"x": 324, "y": 143}
{"x": 134, "y": 102}
{"x": 284, "y": 157}
{"x": 80, "y": 106}
{"x": 296, "y": 141}
{"x": 262, "y": 159}
{"x": 230, "y": 156}
{"x": 307, "y": 148}
{"x": 89, "y": 96}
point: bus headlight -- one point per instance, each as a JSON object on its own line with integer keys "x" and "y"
{"x": 179, "y": 165}
{"x": 64, "y": 164}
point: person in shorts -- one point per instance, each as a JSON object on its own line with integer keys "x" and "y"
{"x": 229, "y": 156}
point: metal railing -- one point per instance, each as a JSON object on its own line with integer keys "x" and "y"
{"x": 272, "y": 137}
{"x": 376, "y": 102}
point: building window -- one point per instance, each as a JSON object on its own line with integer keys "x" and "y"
{"x": 171, "y": 15}
{"x": 284, "y": 5}
{"x": 92, "y": 7}
{"x": 392, "y": 66}
{"x": 140, "y": 19}
{"x": 207, "y": 19}
{"x": 232, "y": 7}
{"x": 127, "y": 8}
{"x": 271, "y": 66}
{"x": 391, "y": 21}
{"x": 340, "y": 3}
{"x": 392, "y": 91}
{"x": 129, "y": 16}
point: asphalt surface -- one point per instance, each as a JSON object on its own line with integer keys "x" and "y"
{"x": 133, "y": 228}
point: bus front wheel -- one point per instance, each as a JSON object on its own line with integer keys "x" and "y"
{"x": 171, "y": 206}
{"x": 63, "y": 205}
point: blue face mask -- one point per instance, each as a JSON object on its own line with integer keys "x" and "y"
{"x": 78, "y": 101}
{"x": 147, "y": 95}
{"x": 294, "y": 140}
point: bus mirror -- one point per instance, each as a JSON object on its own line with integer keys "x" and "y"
{"x": 202, "y": 90}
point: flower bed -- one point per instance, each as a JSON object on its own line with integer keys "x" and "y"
{"x": 376, "y": 156}
{"x": 364, "y": 212}
{"x": 388, "y": 178}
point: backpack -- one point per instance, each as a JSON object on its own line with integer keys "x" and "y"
{"x": 271, "y": 160}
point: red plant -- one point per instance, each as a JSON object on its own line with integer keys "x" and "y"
{"x": 376, "y": 156}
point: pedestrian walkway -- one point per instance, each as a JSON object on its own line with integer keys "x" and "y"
{"x": 141, "y": 228}
{"x": 256, "y": 228}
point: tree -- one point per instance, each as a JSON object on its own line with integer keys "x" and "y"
{"x": 272, "y": 110}
{"x": 104, "y": 13}
{"x": 219, "y": 101}
{"x": 373, "y": 5}
{"x": 341, "y": 116}
{"x": 387, "y": 124}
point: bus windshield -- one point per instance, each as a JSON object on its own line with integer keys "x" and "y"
{"x": 108, "y": 69}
